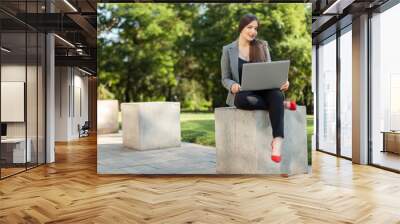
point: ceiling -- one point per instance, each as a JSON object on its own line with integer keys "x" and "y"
{"x": 73, "y": 21}
{"x": 329, "y": 15}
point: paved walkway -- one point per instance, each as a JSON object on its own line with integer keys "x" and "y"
{"x": 113, "y": 158}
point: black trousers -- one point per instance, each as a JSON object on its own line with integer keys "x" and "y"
{"x": 271, "y": 100}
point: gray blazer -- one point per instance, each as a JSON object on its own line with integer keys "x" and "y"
{"x": 229, "y": 67}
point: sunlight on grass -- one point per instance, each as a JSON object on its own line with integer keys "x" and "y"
{"x": 198, "y": 128}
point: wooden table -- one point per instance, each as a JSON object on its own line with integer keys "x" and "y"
{"x": 16, "y": 148}
{"x": 391, "y": 141}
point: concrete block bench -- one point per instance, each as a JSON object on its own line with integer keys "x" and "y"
{"x": 151, "y": 125}
{"x": 243, "y": 141}
{"x": 107, "y": 116}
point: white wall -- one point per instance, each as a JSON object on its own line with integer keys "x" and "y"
{"x": 33, "y": 126}
{"x": 12, "y": 73}
{"x": 12, "y": 100}
{"x": 71, "y": 94}
{"x": 62, "y": 82}
{"x": 80, "y": 104}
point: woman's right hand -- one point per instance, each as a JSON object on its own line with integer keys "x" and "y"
{"x": 235, "y": 88}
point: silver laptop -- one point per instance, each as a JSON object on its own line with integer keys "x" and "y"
{"x": 264, "y": 75}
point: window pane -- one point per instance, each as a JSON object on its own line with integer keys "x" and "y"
{"x": 31, "y": 97}
{"x": 15, "y": 150}
{"x": 385, "y": 86}
{"x": 346, "y": 94}
{"x": 327, "y": 96}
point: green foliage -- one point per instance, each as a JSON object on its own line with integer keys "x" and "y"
{"x": 138, "y": 63}
{"x": 172, "y": 52}
{"x": 192, "y": 95}
{"x": 103, "y": 93}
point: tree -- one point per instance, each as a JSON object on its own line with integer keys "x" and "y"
{"x": 135, "y": 58}
{"x": 172, "y": 51}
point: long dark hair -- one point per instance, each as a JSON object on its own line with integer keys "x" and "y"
{"x": 257, "y": 52}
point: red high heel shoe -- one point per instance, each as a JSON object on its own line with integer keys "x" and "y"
{"x": 275, "y": 158}
{"x": 291, "y": 105}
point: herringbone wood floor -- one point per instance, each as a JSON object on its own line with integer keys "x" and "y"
{"x": 70, "y": 191}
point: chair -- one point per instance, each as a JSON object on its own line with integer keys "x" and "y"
{"x": 84, "y": 130}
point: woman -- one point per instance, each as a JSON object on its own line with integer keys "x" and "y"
{"x": 248, "y": 49}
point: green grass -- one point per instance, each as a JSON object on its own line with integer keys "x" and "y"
{"x": 199, "y": 128}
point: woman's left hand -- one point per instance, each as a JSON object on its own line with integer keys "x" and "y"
{"x": 285, "y": 86}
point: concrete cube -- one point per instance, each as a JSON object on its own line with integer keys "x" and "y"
{"x": 107, "y": 116}
{"x": 243, "y": 142}
{"x": 151, "y": 125}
